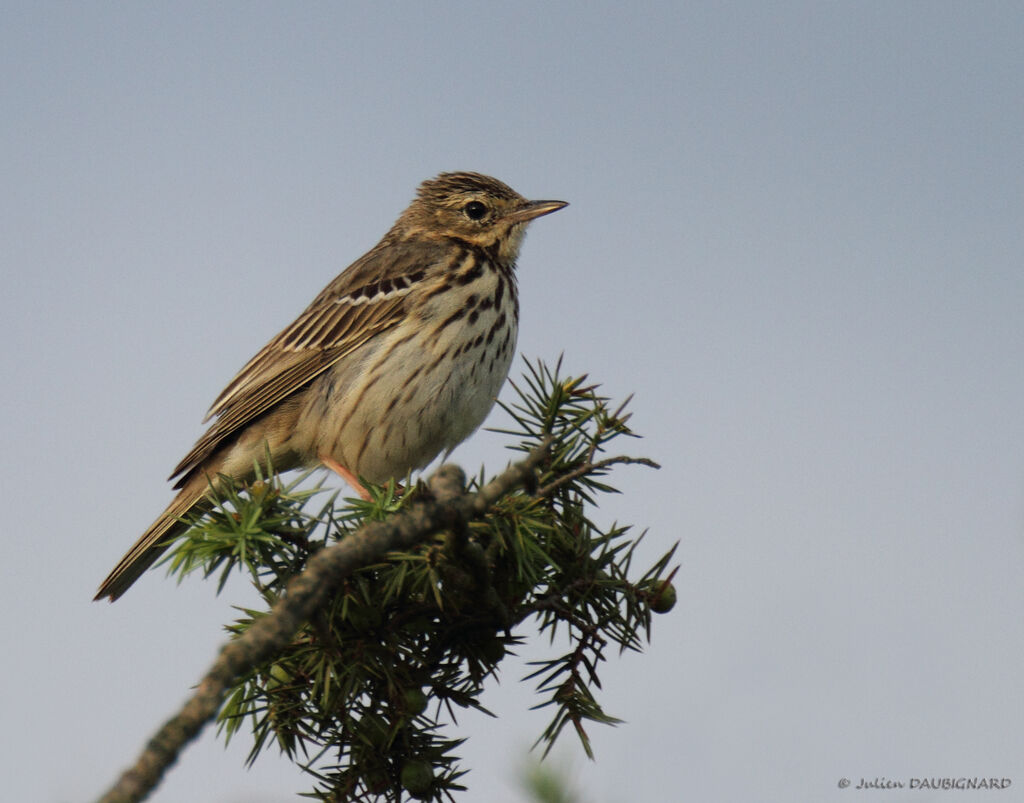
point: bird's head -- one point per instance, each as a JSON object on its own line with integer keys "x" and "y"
{"x": 474, "y": 208}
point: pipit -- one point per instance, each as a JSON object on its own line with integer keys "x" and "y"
{"x": 398, "y": 359}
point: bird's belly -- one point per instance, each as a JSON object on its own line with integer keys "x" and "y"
{"x": 413, "y": 397}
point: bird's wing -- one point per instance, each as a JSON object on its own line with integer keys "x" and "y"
{"x": 366, "y": 300}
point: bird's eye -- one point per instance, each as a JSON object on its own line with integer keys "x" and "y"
{"x": 475, "y": 210}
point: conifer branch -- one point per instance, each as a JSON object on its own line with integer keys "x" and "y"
{"x": 381, "y": 617}
{"x": 451, "y": 507}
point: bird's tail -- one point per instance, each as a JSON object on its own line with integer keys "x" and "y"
{"x": 154, "y": 541}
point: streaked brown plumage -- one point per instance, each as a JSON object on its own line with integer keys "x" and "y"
{"x": 398, "y": 359}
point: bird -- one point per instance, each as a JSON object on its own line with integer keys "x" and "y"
{"x": 398, "y": 359}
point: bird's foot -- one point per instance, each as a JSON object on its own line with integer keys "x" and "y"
{"x": 346, "y": 475}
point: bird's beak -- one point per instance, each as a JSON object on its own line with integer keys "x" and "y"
{"x": 528, "y": 210}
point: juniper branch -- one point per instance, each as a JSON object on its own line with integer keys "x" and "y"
{"x": 450, "y": 507}
{"x": 589, "y": 468}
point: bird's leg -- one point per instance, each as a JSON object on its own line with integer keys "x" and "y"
{"x": 346, "y": 475}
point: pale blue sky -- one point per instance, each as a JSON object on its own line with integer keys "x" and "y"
{"x": 795, "y": 235}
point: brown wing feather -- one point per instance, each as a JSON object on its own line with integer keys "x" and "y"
{"x": 361, "y": 303}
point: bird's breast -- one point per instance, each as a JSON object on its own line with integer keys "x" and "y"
{"x": 427, "y": 383}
